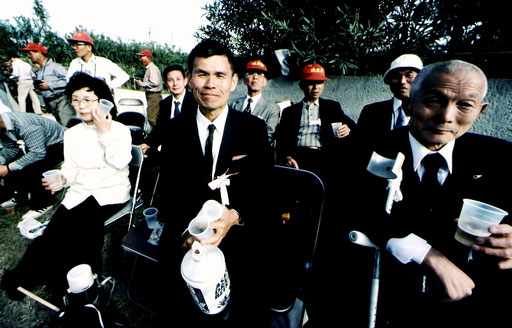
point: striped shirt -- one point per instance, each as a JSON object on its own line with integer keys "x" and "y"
{"x": 37, "y": 133}
{"x": 309, "y": 130}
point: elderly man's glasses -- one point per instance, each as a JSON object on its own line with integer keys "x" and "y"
{"x": 77, "y": 44}
{"x": 86, "y": 101}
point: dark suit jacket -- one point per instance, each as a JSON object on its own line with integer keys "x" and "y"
{"x": 374, "y": 123}
{"x": 330, "y": 112}
{"x": 155, "y": 137}
{"x": 481, "y": 172}
{"x": 265, "y": 109}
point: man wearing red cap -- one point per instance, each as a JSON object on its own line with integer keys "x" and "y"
{"x": 152, "y": 84}
{"x": 255, "y": 103}
{"x": 307, "y": 136}
{"x": 96, "y": 66}
{"x": 50, "y": 82}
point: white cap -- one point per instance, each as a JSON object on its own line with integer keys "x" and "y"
{"x": 80, "y": 278}
{"x": 404, "y": 61}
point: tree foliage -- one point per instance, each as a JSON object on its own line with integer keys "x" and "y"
{"x": 362, "y": 36}
{"x": 15, "y": 36}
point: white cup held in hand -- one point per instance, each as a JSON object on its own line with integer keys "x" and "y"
{"x": 200, "y": 227}
{"x": 335, "y": 128}
{"x": 105, "y": 107}
{"x": 54, "y": 179}
{"x": 212, "y": 209}
{"x": 475, "y": 220}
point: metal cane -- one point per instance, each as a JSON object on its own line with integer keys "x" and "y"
{"x": 360, "y": 238}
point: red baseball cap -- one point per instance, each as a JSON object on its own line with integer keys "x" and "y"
{"x": 32, "y": 46}
{"x": 313, "y": 72}
{"x": 80, "y": 36}
{"x": 256, "y": 65}
{"x": 146, "y": 53}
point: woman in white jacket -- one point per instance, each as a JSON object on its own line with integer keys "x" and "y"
{"x": 95, "y": 171}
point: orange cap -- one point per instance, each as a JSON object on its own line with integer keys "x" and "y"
{"x": 256, "y": 65}
{"x": 146, "y": 53}
{"x": 80, "y": 36}
{"x": 313, "y": 72}
{"x": 32, "y": 46}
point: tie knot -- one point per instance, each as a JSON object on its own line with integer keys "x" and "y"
{"x": 433, "y": 161}
{"x": 211, "y": 129}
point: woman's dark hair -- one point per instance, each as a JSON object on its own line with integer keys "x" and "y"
{"x": 81, "y": 80}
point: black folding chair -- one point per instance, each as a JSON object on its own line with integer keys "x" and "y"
{"x": 300, "y": 197}
{"x": 135, "y": 121}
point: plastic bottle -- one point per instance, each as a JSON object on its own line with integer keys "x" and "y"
{"x": 204, "y": 270}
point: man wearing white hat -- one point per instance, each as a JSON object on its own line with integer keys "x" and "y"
{"x": 378, "y": 118}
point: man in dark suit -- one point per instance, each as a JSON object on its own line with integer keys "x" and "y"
{"x": 255, "y": 102}
{"x": 377, "y": 119}
{"x": 305, "y": 137}
{"x": 176, "y": 81}
{"x": 439, "y": 282}
{"x": 201, "y": 145}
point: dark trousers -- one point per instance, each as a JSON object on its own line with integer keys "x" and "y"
{"x": 73, "y": 237}
{"x": 28, "y": 180}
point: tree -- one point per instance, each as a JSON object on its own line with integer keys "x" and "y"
{"x": 363, "y": 36}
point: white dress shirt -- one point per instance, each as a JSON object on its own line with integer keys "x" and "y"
{"x": 99, "y": 67}
{"x": 255, "y": 100}
{"x": 397, "y": 107}
{"x": 174, "y": 100}
{"x": 21, "y": 70}
{"x": 96, "y": 164}
{"x": 202, "y": 129}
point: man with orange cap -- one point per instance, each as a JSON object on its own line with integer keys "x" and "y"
{"x": 314, "y": 132}
{"x": 96, "y": 66}
{"x": 50, "y": 82}
{"x": 152, "y": 84}
{"x": 255, "y": 103}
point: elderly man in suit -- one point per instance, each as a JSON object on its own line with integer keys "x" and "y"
{"x": 378, "y": 118}
{"x": 305, "y": 136}
{"x": 438, "y": 281}
{"x": 255, "y": 102}
{"x": 202, "y": 144}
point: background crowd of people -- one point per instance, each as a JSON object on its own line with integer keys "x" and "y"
{"x": 199, "y": 134}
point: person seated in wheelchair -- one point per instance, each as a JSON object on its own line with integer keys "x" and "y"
{"x": 94, "y": 174}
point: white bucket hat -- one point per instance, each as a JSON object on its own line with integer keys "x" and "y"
{"x": 404, "y": 61}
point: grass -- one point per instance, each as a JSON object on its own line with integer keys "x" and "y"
{"x": 28, "y": 313}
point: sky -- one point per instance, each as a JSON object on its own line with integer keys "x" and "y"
{"x": 163, "y": 21}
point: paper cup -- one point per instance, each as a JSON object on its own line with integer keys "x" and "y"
{"x": 150, "y": 214}
{"x": 54, "y": 180}
{"x": 335, "y": 127}
{"x": 475, "y": 220}
{"x": 105, "y": 106}
{"x": 200, "y": 227}
{"x": 212, "y": 209}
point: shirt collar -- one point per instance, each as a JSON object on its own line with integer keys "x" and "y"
{"x": 396, "y": 104}
{"x": 316, "y": 103}
{"x": 219, "y": 122}
{"x": 254, "y": 99}
{"x": 91, "y": 60}
{"x": 419, "y": 152}
{"x": 180, "y": 99}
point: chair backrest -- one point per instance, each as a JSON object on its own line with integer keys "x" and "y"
{"x": 135, "y": 167}
{"x": 135, "y": 121}
{"x": 300, "y": 196}
{"x": 130, "y": 105}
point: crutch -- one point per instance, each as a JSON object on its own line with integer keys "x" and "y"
{"x": 361, "y": 239}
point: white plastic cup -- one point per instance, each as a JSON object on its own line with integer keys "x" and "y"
{"x": 200, "y": 227}
{"x": 335, "y": 127}
{"x": 150, "y": 214}
{"x": 54, "y": 180}
{"x": 212, "y": 209}
{"x": 475, "y": 219}
{"x": 80, "y": 278}
{"x": 105, "y": 106}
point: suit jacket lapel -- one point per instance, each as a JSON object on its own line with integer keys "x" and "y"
{"x": 224, "y": 157}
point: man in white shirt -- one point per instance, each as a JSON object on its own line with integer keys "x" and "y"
{"x": 23, "y": 75}
{"x": 152, "y": 84}
{"x": 96, "y": 66}
{"x": 438, "y": 281}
